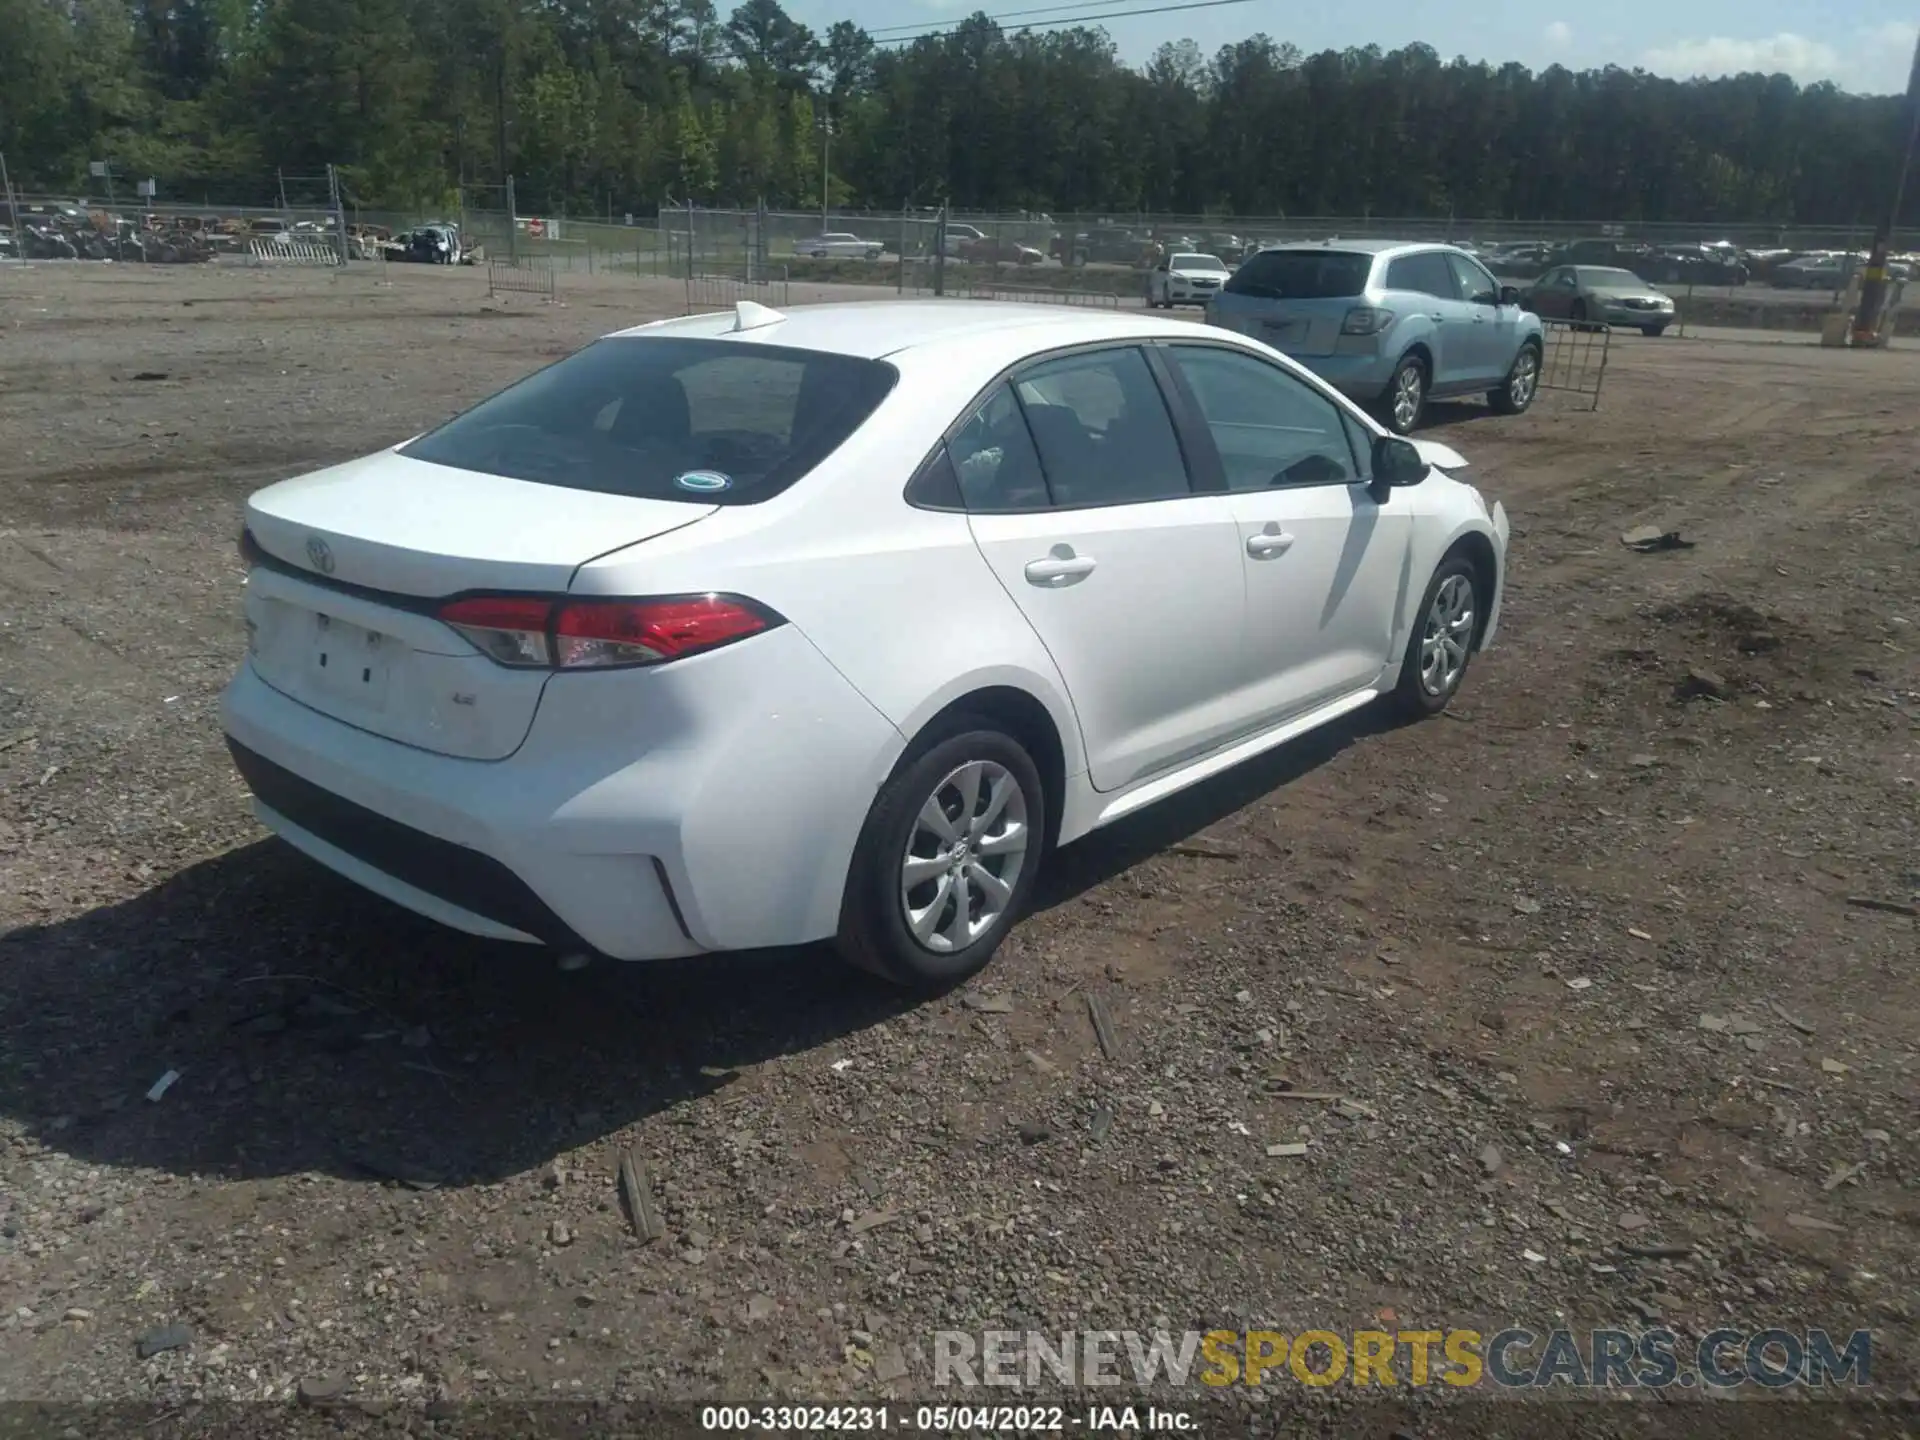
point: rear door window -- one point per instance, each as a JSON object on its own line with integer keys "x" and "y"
{"x": 1302, "y": 275}
{"x": 667, "y": 418}
{"x": 993, "y": 457}
{"x": 1423, "y": 274}
{"x": 1102, "y": 429}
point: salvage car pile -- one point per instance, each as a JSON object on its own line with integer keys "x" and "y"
{"x": 69, "y": 233}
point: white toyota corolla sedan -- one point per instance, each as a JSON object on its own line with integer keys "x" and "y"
{"x": 755, "y": 628}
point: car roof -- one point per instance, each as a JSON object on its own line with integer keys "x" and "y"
{"x": 1364, "y": 247}
{"x": 873, "y": 329}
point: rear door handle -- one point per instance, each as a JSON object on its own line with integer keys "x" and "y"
{"x": 1269, "y": 543}
{"x": 1059, "y": 568}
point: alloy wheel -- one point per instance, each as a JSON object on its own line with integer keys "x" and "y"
{"x": 1447, "y": 637}
{"x": 1408, "y": 388}
{"x": 1526, "y": 374}
{"x": 964, "y": 855}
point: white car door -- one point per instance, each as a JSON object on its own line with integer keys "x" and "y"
{"x": 1079, "y": 498}
{"x": 1324, "y": 561}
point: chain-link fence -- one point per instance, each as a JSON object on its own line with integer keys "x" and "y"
{"x": 1745, "y": 275}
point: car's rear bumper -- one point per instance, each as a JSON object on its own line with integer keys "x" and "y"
{"x": 648, "y": 814}
{"x": 1363, "y": 377}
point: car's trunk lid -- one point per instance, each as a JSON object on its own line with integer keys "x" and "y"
{"x": 343, "y": 616}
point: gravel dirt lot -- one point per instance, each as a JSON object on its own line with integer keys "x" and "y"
{"x": 1594, "y": 1002}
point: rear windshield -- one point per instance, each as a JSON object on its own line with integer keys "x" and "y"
{"x": 667, "y": 418}
{"x": 1302, "y": 275}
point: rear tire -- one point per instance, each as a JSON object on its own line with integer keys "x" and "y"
{"x": 1406, "y": 396}
{"x": 901, "y": 916}
{"x": 1441, "y": 643}
{"x": 1523, "y": 383}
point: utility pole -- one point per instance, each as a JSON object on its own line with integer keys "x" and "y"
{"x": 1873, "y": 288}
{"x": 826, "y": 166}
{"x": 940, "y": 251}
{"x": 280, "y": 176}
{"x": 513, "y": 226}
{"x": 13, "y": 211}
{"x": 338, "y": 215}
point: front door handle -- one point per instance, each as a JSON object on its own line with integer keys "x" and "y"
{"x": 1062, "y": 567}
{"x": 1269, "y": 543}
{"x": 1437, "y": 318}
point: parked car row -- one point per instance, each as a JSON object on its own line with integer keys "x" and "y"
{"x": 1715, "y": 263}
{"x": 1831, "y": 270}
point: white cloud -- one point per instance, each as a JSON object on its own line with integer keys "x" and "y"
{"x": 1782, "y": 54}
{"x": 1559, "y": 35}
{"x": 1875, "y": 62}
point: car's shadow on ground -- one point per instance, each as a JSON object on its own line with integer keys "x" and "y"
{"x": 318, "y": 1028}
{"x": 1441, "y": 414}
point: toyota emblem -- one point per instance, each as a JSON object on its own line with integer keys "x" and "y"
{"x": 321, "y": 554}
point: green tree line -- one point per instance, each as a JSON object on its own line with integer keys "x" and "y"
{"x": 597, "y": 105}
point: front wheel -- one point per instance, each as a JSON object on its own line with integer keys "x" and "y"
{"x": 1523, "y": 382}
{"x": 946, "y": 859}
{"x": 1653, "y": 332}
{"x": 1442, "y": 640}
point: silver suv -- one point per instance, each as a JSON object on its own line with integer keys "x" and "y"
{"x": 1391, "y": 324}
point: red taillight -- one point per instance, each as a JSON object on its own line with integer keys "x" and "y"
{"x": 645, "y": 632}
{"x": 538, "y": 633}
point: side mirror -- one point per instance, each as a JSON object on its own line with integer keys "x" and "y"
{"x": 1396, "y": 462}
{"x": 1509, "y": 294}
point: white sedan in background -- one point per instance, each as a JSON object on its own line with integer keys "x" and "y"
{"x": 1185, "y": 279}
{"x": 838, "y": 245}
{"x": 757, "y": 629}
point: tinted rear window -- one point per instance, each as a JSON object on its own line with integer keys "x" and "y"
{"x": 667, "y": 418}
{"x": 1302, "y": 275}
{"x": 1424, "y": 274}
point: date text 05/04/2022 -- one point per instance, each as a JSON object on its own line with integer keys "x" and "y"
{"x": 946, "y": 1419}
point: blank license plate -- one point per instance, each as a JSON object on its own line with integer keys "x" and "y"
{"x": 349, "y": 662}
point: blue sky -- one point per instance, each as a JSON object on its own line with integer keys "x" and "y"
{"x": 1862, "y": 45}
